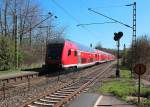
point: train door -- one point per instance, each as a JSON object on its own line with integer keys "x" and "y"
{"x": 74, "y": 57}
{"x": 79, "y": 57}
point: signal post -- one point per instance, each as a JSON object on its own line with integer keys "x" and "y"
{"x": 117, "y": 38}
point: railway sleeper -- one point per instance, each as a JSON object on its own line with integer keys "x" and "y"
{"x": 49, "y": 101}
{"x": 65, "y": 92}
{"x": 68, "y": 88}
{"x": 62, "y": 96}
{"x": 43, "y": 104}
{"x": 32, "y": 106}
{"x": 53, "y": 98}
{"x": 71, "y": 90}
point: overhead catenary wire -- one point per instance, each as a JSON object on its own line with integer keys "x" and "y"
{"x": 111, "y": 6}
{"x": 110, "y": 18}
{"x": 94, "y": 23}
{"x": 64, "y": 10}
{"x": 70, "y": 15}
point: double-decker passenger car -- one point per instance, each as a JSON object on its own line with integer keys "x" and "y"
{"x": 61, "y": 53}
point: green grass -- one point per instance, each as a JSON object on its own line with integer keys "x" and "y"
{"x": 121, "y": 88}
{"x": 125, "y": 87}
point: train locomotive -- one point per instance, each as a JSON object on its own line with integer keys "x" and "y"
{"x": 63, "y": 54}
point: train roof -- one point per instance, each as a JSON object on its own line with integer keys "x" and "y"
{"x": 56, "y": 40}
{"x": 79, "y": 46}
{"x": 103, "y": 52}
{"x": 84, "y": 48}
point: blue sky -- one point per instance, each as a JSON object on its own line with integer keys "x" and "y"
{"x": 103, "y": 33}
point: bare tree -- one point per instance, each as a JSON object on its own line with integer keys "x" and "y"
{"x": 5, "y": 16}
{"x": 142, "y": 53}
{"x": 1, "y": 25}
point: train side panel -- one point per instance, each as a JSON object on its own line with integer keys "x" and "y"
{"x": 69, "y": 55}
{"x": 87, "y": 59}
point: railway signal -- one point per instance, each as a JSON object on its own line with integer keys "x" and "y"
{"x": 117, "y": 38}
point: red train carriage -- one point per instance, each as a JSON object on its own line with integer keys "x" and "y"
{"x": 65, "y": 54}
{"x": 60, "y": 54}
{"x": 86, "y": 56}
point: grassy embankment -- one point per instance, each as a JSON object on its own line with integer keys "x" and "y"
{"x": 126, "y": 88}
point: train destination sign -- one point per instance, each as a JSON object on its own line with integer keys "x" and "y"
{"x": 139, "y": 69}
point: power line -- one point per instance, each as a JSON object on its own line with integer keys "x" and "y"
{"x": 62, "y": 8}
{"x": 94, "y": 23}
{"x": 70, "y": 15}
{"x": 110, "y": 18}
{"x": 111, "y": 6}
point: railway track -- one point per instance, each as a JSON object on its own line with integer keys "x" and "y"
{"x": 40, "y": 87}
{"x": 61, "y": 95}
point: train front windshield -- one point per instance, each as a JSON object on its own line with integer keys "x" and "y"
{"x": 54, "y": 51}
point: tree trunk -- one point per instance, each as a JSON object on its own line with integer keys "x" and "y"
{"x": 5, "y": 17}
{"x": 1, "y": 25}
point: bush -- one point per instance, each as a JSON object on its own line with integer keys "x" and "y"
{"x": 21, "y": 56}
{"x": 7, "y": 54}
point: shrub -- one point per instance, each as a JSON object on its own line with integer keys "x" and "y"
{"x": 7, "y": 54}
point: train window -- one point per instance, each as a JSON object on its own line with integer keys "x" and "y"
{"x": 91, "y": 59}
{"x": 75, "y": 53}
{"x": 83, "y": 60}
{"x": 96, "y": 56}
{"x": 69, "y": 52}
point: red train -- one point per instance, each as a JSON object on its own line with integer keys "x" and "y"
{"x": 62, "y": 53}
